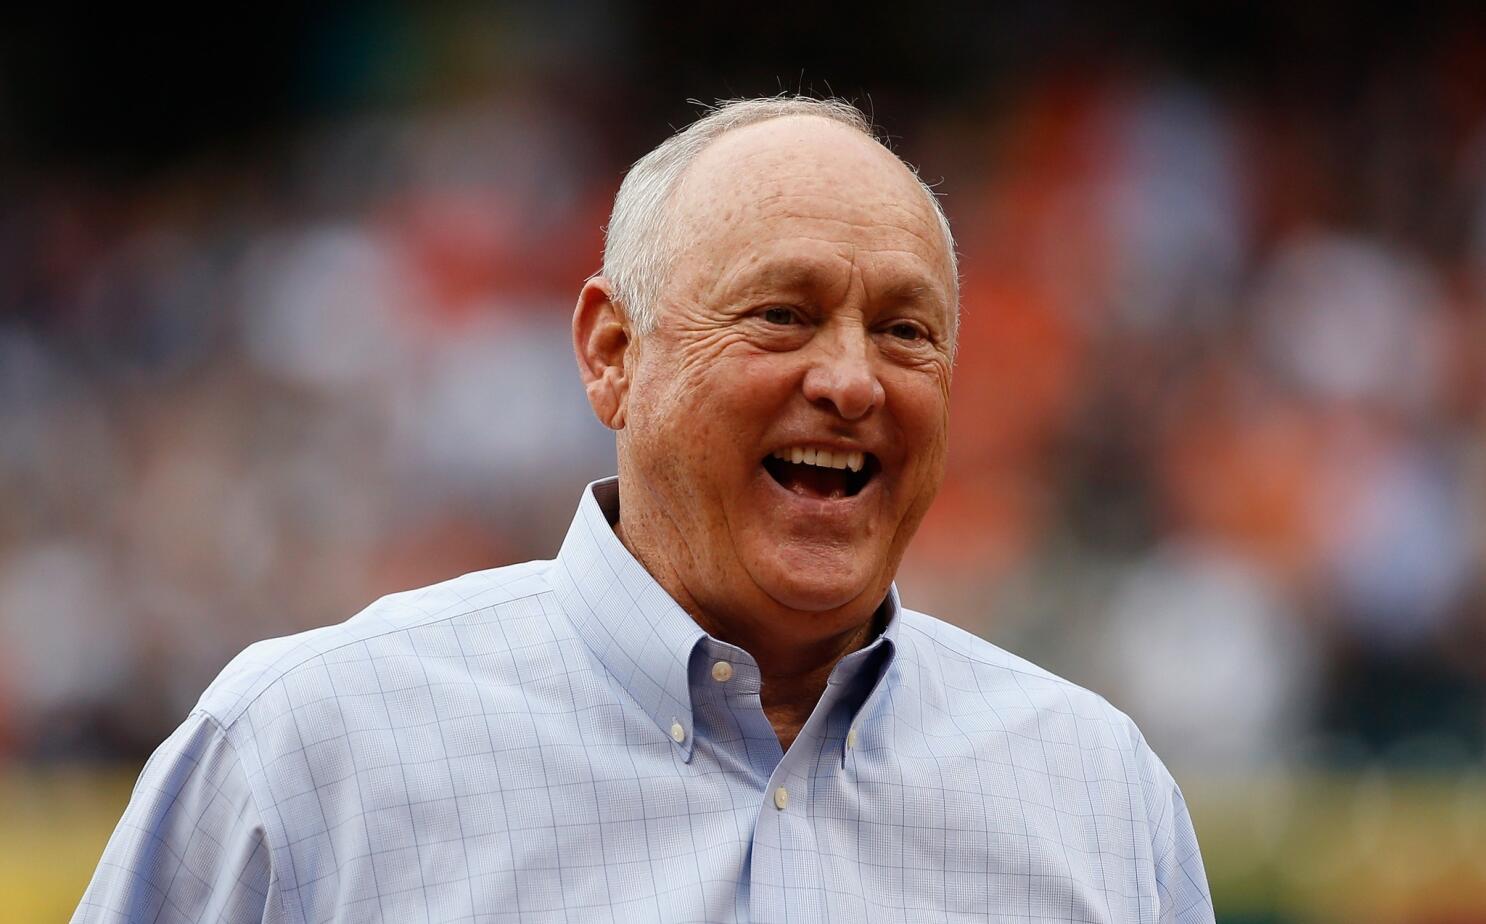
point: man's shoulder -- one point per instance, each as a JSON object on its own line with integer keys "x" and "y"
{"x": 1065, "y": 752}
{"x": 399, "y": 623}
{"x": 981, "y": 674}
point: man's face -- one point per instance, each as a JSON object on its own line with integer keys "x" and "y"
{"x": 810, "y": 313}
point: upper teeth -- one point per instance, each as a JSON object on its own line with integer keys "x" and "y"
{"x": 822, "y": 457}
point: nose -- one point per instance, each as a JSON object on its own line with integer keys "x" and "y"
{"x": 841, "y": 377}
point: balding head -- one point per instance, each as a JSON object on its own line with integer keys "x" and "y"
{"x": 642, "y": 240}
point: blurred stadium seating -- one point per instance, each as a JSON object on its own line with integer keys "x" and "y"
{"x": 283, "y": 326}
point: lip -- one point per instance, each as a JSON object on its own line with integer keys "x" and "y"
{"x": 871, "y": 459}
{"x": 818, "y": 508}
{"x": 832, "y": 445}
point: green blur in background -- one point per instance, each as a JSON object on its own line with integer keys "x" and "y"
{"x": 1323, "y": 848}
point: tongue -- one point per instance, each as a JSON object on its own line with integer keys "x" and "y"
{"x": 814, "y": 481}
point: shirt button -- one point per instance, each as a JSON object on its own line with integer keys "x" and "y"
{"x": 781, "y": 798}
{"x": 722, "y": 671}
{"x": 851, "y": 737}
{"x": 678, "y": 734}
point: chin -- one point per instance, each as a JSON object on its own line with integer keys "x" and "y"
{"x": 815, "y": 587}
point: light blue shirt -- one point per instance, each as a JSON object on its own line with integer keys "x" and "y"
{"x": 560, "y": 741}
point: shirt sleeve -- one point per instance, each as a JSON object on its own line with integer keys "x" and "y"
{"x": 191, "y": 845}
{"x": 1181, "y": 880}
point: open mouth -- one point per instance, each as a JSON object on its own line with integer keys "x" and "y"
{"x": 820, "y": 473}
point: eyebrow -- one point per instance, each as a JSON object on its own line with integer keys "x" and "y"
{"x": 907, "y": 292}
{"x": 786, "y": 270}
{"x": 794, "y": 272}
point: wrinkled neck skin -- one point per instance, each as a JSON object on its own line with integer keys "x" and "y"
{"x": 794, "y": 675}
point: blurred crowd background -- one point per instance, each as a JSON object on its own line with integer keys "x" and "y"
{"x": 284, "y": 326}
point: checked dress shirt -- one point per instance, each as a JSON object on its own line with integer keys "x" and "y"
{"x": 560, "y": 741}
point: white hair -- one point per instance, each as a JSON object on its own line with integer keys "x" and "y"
{"x": 638, "y": 246}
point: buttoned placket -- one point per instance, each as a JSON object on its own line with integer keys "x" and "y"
{"x": 739, "y": 687}
{"x": 789, "y": 783}
{"x": 854, "y": 739}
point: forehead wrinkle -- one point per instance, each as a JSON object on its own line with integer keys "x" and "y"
{"x": 912, "y": 281}
{"x": 787, "y": 268}
{"x": 790, "y": 270}
{"x": 903, "y": 285}
{"x": 738, "y": 181}
{"x": 933, "y": 251}
{"x": 921, "y": 225}
{"x": 852, "y": 199}
{"x": 892, "y": 292}
{"x": 883, "y": 215}
{"x": 775, "y": 164}
{"x": 871, "y": 226}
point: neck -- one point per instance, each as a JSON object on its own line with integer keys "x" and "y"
{"x": 789, "y": 697}
{"x": 794, "y": 672}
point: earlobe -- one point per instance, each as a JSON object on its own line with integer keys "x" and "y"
{"x": 601, "y": 339}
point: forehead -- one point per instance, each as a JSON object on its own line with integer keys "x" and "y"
{"x": 806, "y": 180}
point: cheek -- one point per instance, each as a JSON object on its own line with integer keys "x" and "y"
{"x": 921, "y": 410}
{"x": 740, "y": 396}
{"x": 663, "y": 394}
{"x": 696, "y": 420}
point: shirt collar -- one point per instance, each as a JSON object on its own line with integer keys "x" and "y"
{"x": 643, "y": 638}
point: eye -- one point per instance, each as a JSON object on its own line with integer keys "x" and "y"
{"x": 778, "y": 314}
{"x": 903, "y": 330}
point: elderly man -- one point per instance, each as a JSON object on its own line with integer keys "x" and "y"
{"x": 711, "y": 706}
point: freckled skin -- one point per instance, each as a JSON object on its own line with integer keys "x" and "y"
{"x": 808, "y": 216}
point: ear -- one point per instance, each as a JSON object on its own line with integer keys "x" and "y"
{"x": 601, "y": 336}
